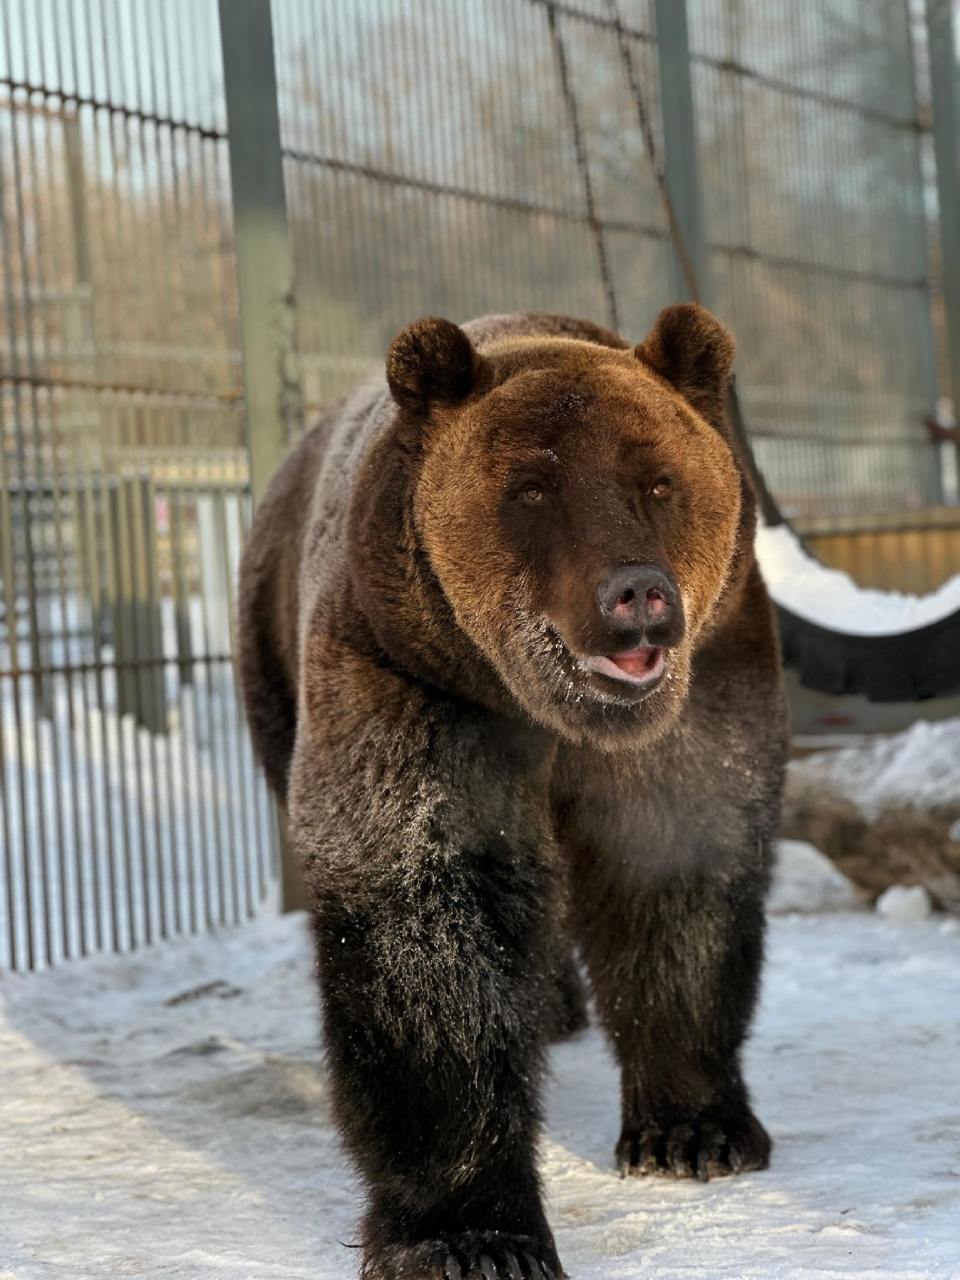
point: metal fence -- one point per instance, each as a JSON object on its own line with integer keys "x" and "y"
{"x": 216, "y": 212}
{"x": 461, "y": 158}
{"x": 130, "y": 809}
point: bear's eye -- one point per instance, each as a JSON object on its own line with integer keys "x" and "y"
{"x": 532, "y": 494}
{"x": 662, "y": 487}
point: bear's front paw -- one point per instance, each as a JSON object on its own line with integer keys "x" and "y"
{"x": 712, "y": 1144}
{"x": 471, "y": 1255}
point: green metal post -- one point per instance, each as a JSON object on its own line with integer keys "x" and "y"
{"x": 77, "y": 192}
{"x": 264, "y": 266}
{"x": 681, "y": 159}
{"x": 945, "y": 92}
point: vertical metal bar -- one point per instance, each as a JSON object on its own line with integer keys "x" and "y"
{"x": 184, "y": 676}
{"x": 264, "y": 269}
{"x": 583, "y": 163}
{"x": 77, "y": 194}
{"x": 84, "y": 557}
{"x": 262, "y": 841}
{"x": 207, "y": 809}
{"x": 25, "y": 409}
{"x": 166, "y": 832}
{"x": 239, "y": 833}
{"x": 264, "y": 272}
{"x": 62, "y": 467}
{"x": 8, "y": 583}
{"x": 220, "y": 677}
{"x": 151, "y": 703}
{"x": 98, "y": 526}
{"x": 79, "y": 462}
{"x": 681, "y": 158}
{"x": 184, "y": 639}
{"x": 10, "y": 895}
{"x": 945, "y": 92}
{"x": 215, "y": 771}
{"x": 132, "y": 577}
{"x": 118, "y": 595}
{"x": 42, "y": 258}
{"x": 926, "y": 345}
{"x": 88, "y": 573}
{"x": 106, "y": 323}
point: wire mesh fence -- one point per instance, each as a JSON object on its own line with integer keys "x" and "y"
{"x": 438, "y": 156}
{"x": 822, "y": 261}
{"x": 462, "y": 159}
{"x": 130, "y": 808}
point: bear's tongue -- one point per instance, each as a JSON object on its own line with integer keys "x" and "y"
{"x": 637, "y": 662}
{"x": 642, "y": 665}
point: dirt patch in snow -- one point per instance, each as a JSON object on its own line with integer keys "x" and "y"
{"x": 903, "y": 845}
{"x": 886, "y": 811}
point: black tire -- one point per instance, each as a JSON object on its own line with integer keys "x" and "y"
{"x": 910, "y": 666}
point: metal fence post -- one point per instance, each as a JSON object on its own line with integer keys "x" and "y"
{"x": 264, "y": 267}
{"x": 945, "y": 92}
{"x": 681, "y": 158}
{"x": 690, "y": 256}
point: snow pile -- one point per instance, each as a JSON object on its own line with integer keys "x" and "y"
{"x": 906, "y": 904}
{"x": 832, "y": 599}
{"x": 167, "y": 1114}
{"x": 919, "y": 767}
{"x": 805, "y": 880}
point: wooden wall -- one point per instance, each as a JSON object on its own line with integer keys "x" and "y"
{"x": 905, "y": 551}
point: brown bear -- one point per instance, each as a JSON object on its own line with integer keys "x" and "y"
{"x": 508, "y": 659}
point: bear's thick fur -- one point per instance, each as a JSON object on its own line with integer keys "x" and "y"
{"x": 508, "y": 659}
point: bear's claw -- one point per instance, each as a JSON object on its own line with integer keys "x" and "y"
{"x": 706, "y": 1146}
{"x": 505, "y": 1261}
{"x": 474, "y": 1255}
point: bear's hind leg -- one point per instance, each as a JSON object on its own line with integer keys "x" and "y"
{"x": 567, "y": 1014}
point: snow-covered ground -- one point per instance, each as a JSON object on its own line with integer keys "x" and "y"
{"x": 166, "y": 1115}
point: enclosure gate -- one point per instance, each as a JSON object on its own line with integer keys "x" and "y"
{"x": 212, "y": 215}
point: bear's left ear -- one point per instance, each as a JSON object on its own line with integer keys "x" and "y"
{"x": 431, "y": 360}
{"x": 694, "y": 352}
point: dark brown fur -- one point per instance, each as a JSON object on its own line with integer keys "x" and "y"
{"x": 418, "y": 615}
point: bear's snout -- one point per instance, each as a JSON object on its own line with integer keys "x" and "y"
{"x": 640, "y": 602}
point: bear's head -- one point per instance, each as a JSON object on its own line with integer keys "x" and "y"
{"x": 579, "y": 507}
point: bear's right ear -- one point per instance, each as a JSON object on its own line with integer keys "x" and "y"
{"x": 431, "y": 360}
{"x": 694, "y": 352}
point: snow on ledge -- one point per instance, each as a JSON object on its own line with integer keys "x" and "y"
{"x": 831, "y": 599}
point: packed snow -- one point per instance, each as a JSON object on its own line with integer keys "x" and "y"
{"x": 166, "y": 1114}
{"x": 807, "y": 880}
{"x": 919, "y": 767}
{"x": 832, "y": 599}
{"x": 906, "y": 903}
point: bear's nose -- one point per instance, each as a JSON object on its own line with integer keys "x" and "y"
{"x": 637, "y": 596}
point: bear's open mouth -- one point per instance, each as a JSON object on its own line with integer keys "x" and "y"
{"x": 642, "y": 665}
